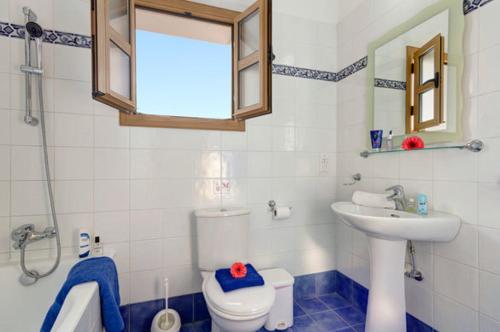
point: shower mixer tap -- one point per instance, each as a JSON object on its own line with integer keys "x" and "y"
{"x": 26, "y": 234}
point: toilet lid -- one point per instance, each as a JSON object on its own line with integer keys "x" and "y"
{"x": 242, "y": 302}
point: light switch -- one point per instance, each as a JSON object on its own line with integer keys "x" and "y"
{"x": 323, "y": 163}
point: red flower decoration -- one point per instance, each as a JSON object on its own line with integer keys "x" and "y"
{"x": 238, "y": 270}
{"x": 412, "y": 143}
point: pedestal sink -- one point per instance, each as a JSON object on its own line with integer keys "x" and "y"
{"x": 388, "y": 231}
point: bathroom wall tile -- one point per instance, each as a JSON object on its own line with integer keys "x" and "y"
{"x": 4, "y": 198}
{"x": 146, "y": 255}
{"x": 487, "y": 324}
{"x": 72, "y": 15}
{"x": 177, "y": 222}
{"x": 234, "y": 165}
{"x": 146, "y": 225}
{"x": 26, "y": 163}
{"x": 4, "y": 127}
{"x": 486, "y": 115}
{"x": 487, "y": 17}
{"x": 4, "y": 234}
{"x": 464, "y": 166}
{"x": 451, "y": 316}
{"x": 72, "y": 97}
{"x": 488, "y": 71}
{"x": 73, "y": 164}
{"x": 177, "y": 251}
{"x": 419, "y": 301}
{"x": 489, "y": 246}
{"x": 29, "y": 198}
{"x": 4, "y": 90}
{"x": 259, "y": 138}
{"x": 72, "y": 63}
{"x": 23, "y": 134}
{"x": 74, "y": 196}
{"x": 151, "y": 285}
{"x": 4, "y": 163}
{"x": 74, "y": 130}
{"x": 232, "y": 140}
{"x": 487, "y": 171}
{"x": 109, "y": 133}
{"x": 111, "y": 163}
{"x": 112, "y": 227}
{"x": 488, "y": 210}
{"x": 488, "y": 293}
{"x": 463, "y": 249}
{"x": 111, "y": 195}
{"x": 464, "y": 285}
{"x": 458, "y": 198}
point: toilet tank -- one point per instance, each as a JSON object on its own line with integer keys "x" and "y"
{"x": 222, "y": 237}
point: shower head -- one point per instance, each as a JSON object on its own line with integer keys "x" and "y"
{"x": 34, "y": 29}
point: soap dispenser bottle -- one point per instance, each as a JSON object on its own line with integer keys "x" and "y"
{"x": 97, "y": 247}
{"x": 390, "y": 141}
{"x": 422, "y": 206}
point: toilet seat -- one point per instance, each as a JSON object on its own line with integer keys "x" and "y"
{"x": 239, "y": 304}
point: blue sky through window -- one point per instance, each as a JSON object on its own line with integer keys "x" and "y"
{"x": 183, "y": 77}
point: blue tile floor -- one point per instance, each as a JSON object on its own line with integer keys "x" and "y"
{"x": 326, "y": 313}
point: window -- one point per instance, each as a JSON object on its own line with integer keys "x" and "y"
{"x": 176, "y": 63}
{"x": 424, "y": 99}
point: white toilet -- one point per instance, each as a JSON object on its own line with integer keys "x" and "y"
{"x": 222, "y": 240}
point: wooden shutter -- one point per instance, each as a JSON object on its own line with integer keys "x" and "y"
{"x": 113, "y": 53}
{"x": 252, "y": 61}
{"x": 428, "y": 83}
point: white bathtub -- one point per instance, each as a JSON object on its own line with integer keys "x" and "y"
{"x": 22, "y": 309}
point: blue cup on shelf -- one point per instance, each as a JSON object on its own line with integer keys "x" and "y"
{"x": 376, "y": 137}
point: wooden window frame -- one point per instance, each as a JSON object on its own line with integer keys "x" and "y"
{"x": 102, "y": 37}
{"x": 415, "y": 88}
{"x": 128, "y": 114}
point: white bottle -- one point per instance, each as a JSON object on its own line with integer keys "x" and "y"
{"x": 390, "y": 143}
{"x": 84, "y": 243}
{"x": 97, "y": 247}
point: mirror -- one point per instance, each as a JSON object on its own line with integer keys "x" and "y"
{"x": 415, "y": 76}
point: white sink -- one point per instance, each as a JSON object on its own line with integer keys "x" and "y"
{"x": 398, "y": 225}
{"x": 388, "y": 231}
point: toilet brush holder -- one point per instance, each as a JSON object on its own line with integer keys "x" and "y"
{"x": 167, "y": 320}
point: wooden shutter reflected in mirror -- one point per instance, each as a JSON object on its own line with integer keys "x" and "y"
{"x": 252, "y": 61}
{"x": 113, "y": 50}
{"x": 425, "y": 85}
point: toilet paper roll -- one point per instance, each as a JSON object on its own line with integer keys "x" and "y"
{"x": 282, "y": 212}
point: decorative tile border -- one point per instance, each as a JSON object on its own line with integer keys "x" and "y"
{"x": 471, "y": 5}
{"x": 304, "y": 73}
{"x": 77, "y": 40}
{"x": 49, "y": 36}
{"x": 390, "y": 84}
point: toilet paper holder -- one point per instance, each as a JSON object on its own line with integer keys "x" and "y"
{"x": 272, "y": 205}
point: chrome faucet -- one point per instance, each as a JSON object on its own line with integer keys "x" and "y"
{"x": 26, "y": 234}
{"x": 398, "y": 196}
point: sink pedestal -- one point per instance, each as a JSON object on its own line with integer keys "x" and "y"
{"x": 386, "y": 299}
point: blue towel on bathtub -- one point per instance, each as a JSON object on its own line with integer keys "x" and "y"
{"x": 228, "y": 283}
{"x": 103, "y": 271}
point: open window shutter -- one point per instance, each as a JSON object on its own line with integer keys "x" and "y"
{"x": 113, "y": 49}
{"x": 428, "y": 84}
{"x": 252, "y": 61}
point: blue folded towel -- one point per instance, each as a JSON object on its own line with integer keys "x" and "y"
{"x": 228, "y": 283}
{"x": 103, "y": 271}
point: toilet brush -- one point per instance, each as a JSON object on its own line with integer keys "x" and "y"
{"x": 167, "y": 319}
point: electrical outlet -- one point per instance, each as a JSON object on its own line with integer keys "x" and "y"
{"x": 323, "y": 163}
{"x": 222, "y": 187}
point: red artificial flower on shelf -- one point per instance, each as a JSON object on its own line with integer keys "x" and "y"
{"x": 412, "y": 143}
{"x": 238, "y": 270}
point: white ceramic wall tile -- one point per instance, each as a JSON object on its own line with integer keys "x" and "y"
{"x": 72, "y": 97}
{"x": 73, "y": 164}
{"x": 489, "y": 246}
{"x": 111, "y": 163}
{"x": 488, "y": 18}
{"x": 462, "y": 287}
{"x": 111, "y": 195}
{"x": 74, "y": 196}
{"x": 450, "y": 316}
{"x": 29, "y": 198}
{"x": 112, "y": 227}
{"x": 487, "y": 324}
{"x": 488, "y": 293}
{"x": 146, "y": 255}
{"x": 73, "y": 130}
{"x": 4, "y": 198}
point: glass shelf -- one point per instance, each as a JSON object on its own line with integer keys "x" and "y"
{"x": 473, "y": 146}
